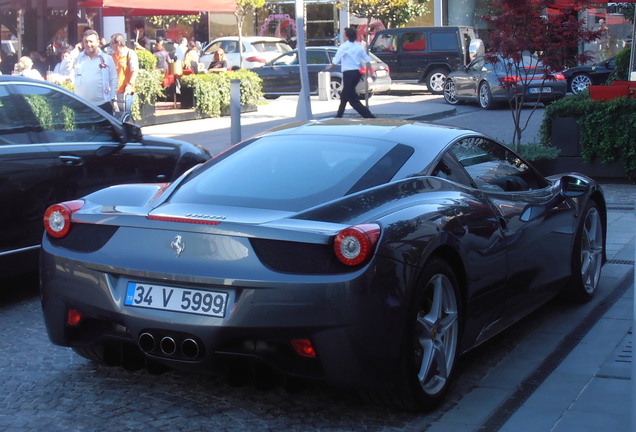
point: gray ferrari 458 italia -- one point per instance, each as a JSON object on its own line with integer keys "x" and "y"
{"x": 365, "y": 253}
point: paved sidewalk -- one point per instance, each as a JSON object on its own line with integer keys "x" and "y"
{"x": 582, "y": 385}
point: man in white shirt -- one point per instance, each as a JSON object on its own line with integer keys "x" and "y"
{"x": 181, "y": 50}
{"x": 95, "y": 73}
{"x": 351, "y": 55}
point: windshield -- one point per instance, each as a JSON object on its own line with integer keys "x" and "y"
{"x": 291, "y": 173}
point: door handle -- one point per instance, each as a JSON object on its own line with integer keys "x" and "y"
{"x": 71, "y": 160}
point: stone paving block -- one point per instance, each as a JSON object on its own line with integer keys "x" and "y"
{"x": 531, "y": 421}
{"x": 572, "y": 421}
{"x": 615, "y": 398}
{"x": 509, "y": 373}
{"x": 476, "y": 406}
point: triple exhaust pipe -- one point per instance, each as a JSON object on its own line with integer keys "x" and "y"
{"x": 175, "y": 347}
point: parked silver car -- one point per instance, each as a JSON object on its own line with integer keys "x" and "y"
{"x": 489, "y": 83}
{"x": 257, "y": 50}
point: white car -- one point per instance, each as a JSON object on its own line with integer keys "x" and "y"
{"x": 257, "y": 50}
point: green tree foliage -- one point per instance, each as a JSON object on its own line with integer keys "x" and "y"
{"x": 168, "y": 21}
{"x": 521, "y": 27}
{"x": 243, "y": 7}
{"x": 392, "y": 13}
{"x": 627, "y": 9}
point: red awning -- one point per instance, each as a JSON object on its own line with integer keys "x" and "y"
{"x": 159, "y": 7}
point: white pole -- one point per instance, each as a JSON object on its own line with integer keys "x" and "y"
{"x": 631, "y": 76}
{"x": 343, "y": 21}
{"x": 235, "y": 111}
{"x": 303, "y": 110}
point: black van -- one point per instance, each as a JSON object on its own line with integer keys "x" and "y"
{"x": 425, "y": 54}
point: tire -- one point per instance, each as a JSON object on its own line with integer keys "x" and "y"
{"x": 580, "y": 82}
{"x": 587, "y": 256}
{"x": 95, "y": 354}
{"x": 435, "y": 81}
{"x": 485, "y": 96}
{"x": 335, "y": 88}
{"x": 429, "y": 348}
{"x": 450, "y": 94}
{"x": 270, "y": 96}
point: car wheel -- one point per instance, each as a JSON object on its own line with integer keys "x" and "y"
{"x": 485, "y": 97}
{"x": 95, "y": 354}
{"x": 580, "y": 82}
{"x": 450, "y": 95}
{"x": 269, "y": 96}
{"x": 432, "y": 332}
{"x": 435, "y": 81}
{"x": 335, "y": 87}
{"x": 587, "y": 255}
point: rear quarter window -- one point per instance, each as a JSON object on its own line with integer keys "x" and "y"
{"x": 443, "y": 41}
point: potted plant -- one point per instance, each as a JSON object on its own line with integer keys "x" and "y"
{"x": 211, "y": 91}
{"x": 148, "y": 88}
{"x": 593, "y": 137}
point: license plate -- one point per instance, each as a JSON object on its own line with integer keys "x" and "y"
{"x": 535, "y": 90}
{"x": 176, "y": 299}
{"x": 380, "y": 73}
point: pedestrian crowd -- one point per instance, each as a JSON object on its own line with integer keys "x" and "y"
{"x": 104, "y": 73}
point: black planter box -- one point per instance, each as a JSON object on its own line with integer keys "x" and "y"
{"x": 614, "y": 171}
{"x": 147, "y": 110}
{"x": 565, "y": 136}
{"x": 186, "y": 97}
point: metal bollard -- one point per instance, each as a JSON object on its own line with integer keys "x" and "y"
{"x": 235, "y": 110}
{"x": 324, "y": 85}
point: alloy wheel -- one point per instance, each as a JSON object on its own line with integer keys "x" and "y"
{"x": 591, "y": 250}
{"x": 437, "y": 333}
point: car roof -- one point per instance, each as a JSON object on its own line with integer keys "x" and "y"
{"x": 250, "y": 39}
{"x": 426, "y": 137}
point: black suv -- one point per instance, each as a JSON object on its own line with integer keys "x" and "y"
{"x": 425, "y": 54}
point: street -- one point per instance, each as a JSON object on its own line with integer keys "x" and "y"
{"x": 50, "y": 388}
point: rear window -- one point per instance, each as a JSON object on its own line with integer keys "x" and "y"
{"x": 292, "y": 173}
{"x": 266, "y": 46}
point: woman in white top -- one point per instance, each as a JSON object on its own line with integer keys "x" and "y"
{"x": 25, "y": 68}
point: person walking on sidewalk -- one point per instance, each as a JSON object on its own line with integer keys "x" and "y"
{"x": 351, "y": 55}
{"x": 95, "y": 73}
{"x": 127, "y": 64}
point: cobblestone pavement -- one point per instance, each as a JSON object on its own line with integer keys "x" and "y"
{"x": 49, "y": 388}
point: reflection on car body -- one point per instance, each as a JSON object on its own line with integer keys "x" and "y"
{"x": 55, "y": 146}
{"x": 305, "y": 250}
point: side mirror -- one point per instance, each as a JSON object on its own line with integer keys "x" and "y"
{"x": 476, "y": 48}
{"x": 572, "y": 187}
{"x": 132, "y": 132}
{"x": 462, "y": 68}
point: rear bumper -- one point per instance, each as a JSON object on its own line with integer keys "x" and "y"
{"x": 349, "y": 323}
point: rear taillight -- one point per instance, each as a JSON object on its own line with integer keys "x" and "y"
{"x": 255, "y": 59}
{"x": 355, "y": 244}
{"x": 304, "y": 347}
{"x": 363, "y": 70}
{"x": 559, "y": 76}
{"x": 510, "y": 79}
{"x": 57, "y": 218}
